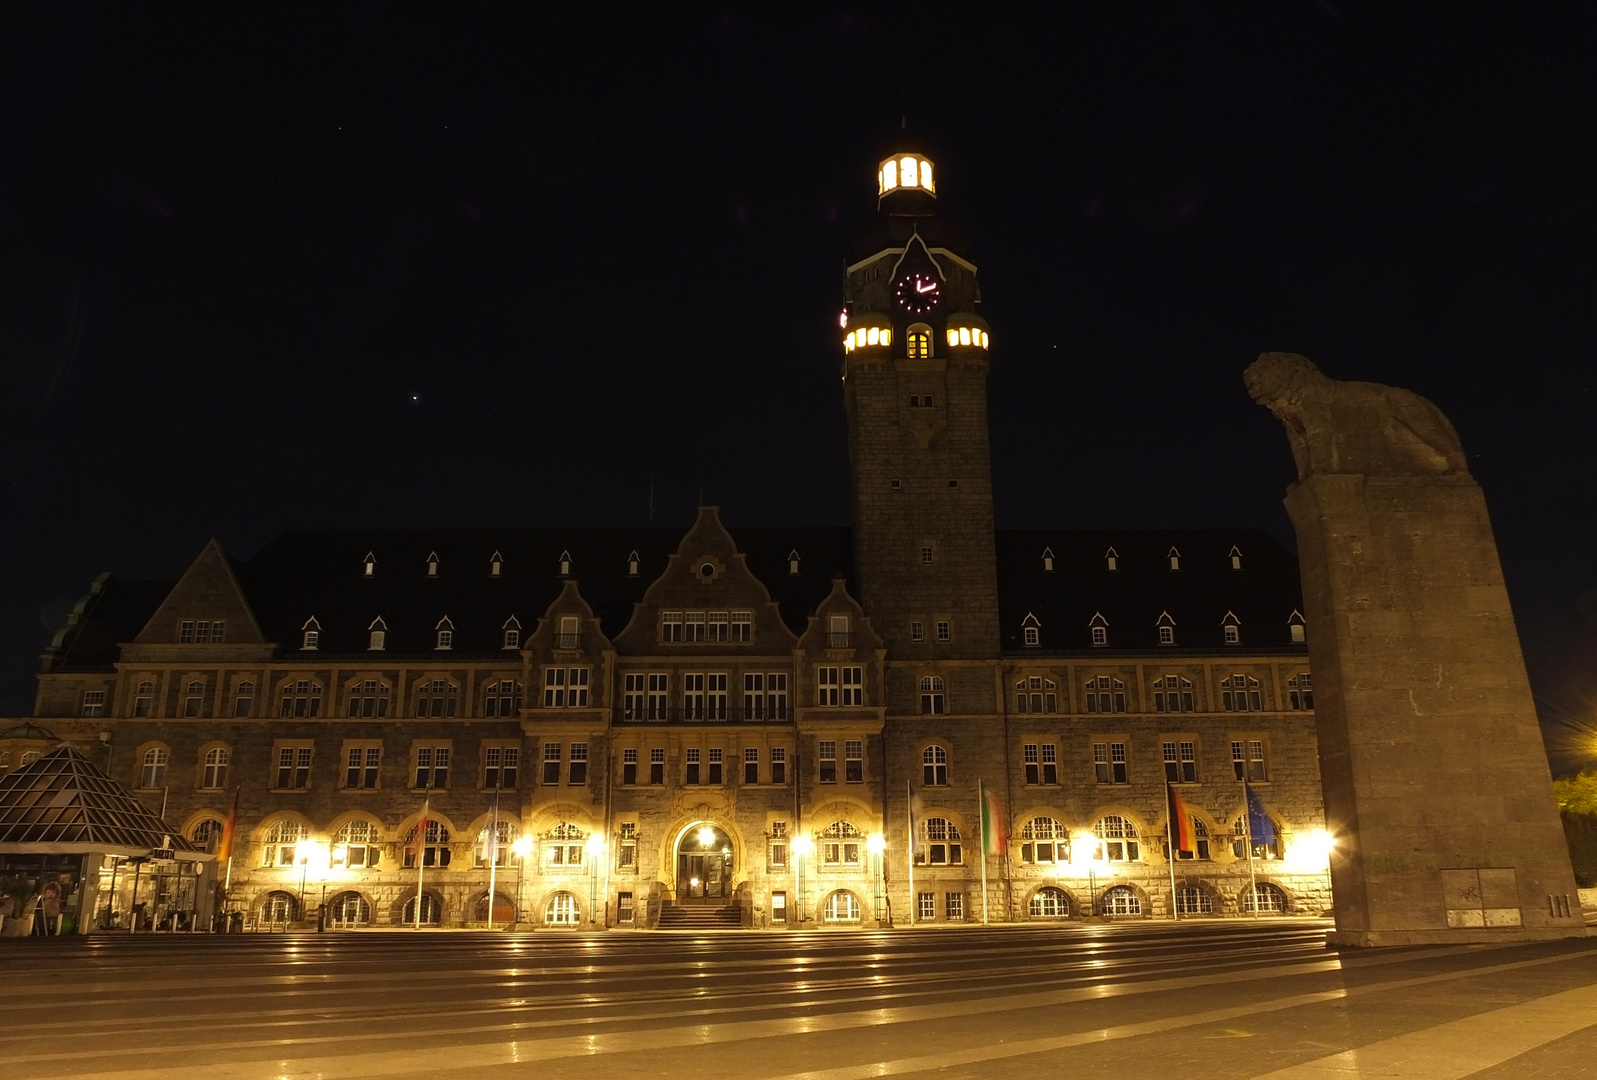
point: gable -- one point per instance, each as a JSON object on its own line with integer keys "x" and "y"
{"x": 207, "y": 592}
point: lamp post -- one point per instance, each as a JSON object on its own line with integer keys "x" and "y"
{"x": 595, "y": 849}
{"x": 876, "y": 844}
{"x": 802, "y": 846}
{"x": 312, "y": 851}
{"x": 522, "y": 848}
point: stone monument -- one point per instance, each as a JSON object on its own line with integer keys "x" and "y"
{"x": 1437, "y": 789}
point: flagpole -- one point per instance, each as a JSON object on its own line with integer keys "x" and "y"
{"x": 1170, "y": 852}
{"x": 421, "y": 848}
{"x": 1247, "y": 841}
{"x": 909, "y": 823}
{"x": 986, "y": 828}
{"x": 492, "y": 849}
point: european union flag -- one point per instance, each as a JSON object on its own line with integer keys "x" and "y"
{"x": 1260, "y": 825}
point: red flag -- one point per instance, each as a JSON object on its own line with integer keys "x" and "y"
{"x": 1181, "y": 832}
{"x": 224, "y": 850}
{"x": 994, "y": 830}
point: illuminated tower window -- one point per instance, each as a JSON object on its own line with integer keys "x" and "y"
{"x": 919, "y": 344}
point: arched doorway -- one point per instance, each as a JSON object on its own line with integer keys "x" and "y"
{"x": 704, "y": 865}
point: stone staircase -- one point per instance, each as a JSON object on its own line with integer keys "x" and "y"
{"x": 700, "y": 917}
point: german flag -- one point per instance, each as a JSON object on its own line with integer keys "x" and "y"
{"x": 1182, "y": 837}
{"x": 224, "y": 850}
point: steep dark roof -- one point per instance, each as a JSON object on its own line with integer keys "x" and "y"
{"x": 319, "y": 574}
{"x": 1262, "y": 595}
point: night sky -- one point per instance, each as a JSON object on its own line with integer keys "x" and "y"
{"x": 268, "y": 266}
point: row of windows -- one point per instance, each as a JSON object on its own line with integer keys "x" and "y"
{"x": 1172, "y": 560}
{"x": 1111, "y": 761}
{"x": 708, "y": 765}
{"x": 695, "y": 626}
{"x": 443, "y": 634}
{"x": 361, "y": 760}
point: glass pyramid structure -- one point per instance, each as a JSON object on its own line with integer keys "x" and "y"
{"x": 64, "y": 804}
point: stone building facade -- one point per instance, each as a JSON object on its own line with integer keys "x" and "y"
{"x": 630, "y": 727}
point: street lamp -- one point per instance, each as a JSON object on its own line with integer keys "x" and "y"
{"x": 802, "y": 846}
{"x": 876, "y": 843}
{"x": 595, "y": 849}
{"x": 308, "y": 852}
{"x": 522, "y": 848}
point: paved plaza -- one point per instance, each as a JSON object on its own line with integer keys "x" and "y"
{"x": 1217, "y": 999}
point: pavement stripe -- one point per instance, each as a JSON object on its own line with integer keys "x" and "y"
{"x": 1460, "y": 1047}
{"x": 454, "y": 1058}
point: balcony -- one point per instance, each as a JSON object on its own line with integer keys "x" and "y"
{"x": 839, "y": 639}
{"x": 567, "y": 641}
{"x": 705, "y": 714}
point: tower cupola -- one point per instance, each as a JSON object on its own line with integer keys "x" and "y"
{"x": 905, "y": 172}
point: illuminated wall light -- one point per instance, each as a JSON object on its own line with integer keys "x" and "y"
{"x": 906, "y": 168}
{"x": 953, "y": 337}
{"x": 964, "y": 335}
{"x": 926, "y": 175}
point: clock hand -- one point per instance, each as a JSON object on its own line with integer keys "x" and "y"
{"x": 928, "y": 287}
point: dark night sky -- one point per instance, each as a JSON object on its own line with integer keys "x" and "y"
{"x": 267, "y": 266}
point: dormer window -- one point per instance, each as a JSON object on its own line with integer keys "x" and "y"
{"x": 432, "y": 564}
{"x": 632, "y": 564}
{"x": 370, "y": 565}
{"x": 1236, "y": 559}
{"x": 1098, "y": 626}
{"x": 496, "y": 564}
{"x": 377, "y": 634}
{"x": 565, "y": 564}
{"x": 793, "y": 562}
{"x": 1048, "y": 560}
{"x": 1111, "y": 560}
{"x": 1296, "y": 628}
{"x": 446, "y": 633}
{"x": 311, "y": 634}
{"x": 1167, "y": 628}
{"x": 512, "y": 629}
{"x": 1175, "y": 559}
{"x": 1031, "y": 631}
{"x": 1231, "y": 627}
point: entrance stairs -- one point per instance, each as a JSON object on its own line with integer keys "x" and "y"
{"x": 700, "y": 917}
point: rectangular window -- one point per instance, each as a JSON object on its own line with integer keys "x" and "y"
{"x": 778, "y": 851}
{"x": 693, "y": 765}
{"x": 827, "y": 686}
{"x": 778, "y": 765}
{"x": 1180, "y": 762}
{"x": 627, "y": 852}
{"x": 715, "y": 697}
{"x": 1050, "y": 764}
{"x": 579, "y": 763}
{"x": 776, "y": 695}
{"x": 743, "y": 626}
{"x": 185, "y": 633}
{"x": 779, "y": 908}
{"x": 493, "y": 766}
{"x": 694, "y": 624}
{"x": 94, "y": 703}
{"x": 917, "y": 631}
{"x": 854, "y": 761}
{"x": 720, "y": 626}
{"x": 753, "y": 696}
{"x": 944, "y": 631}
{"x": 432, "y": 767}
{"x": 565, "y": 688}
{"x": 1300, "y": 691}
{"x": 551, "y": 763}
{"x": 632, "y": 697}
{"x": 827, "y": 756}
{"x": 624, "y": 907}
{"x": 293, "y": 768}
{"x": 670, "y": 626}
{"x": 629, "y": 766}
{"x": 361, "y": 766}
{"x": 1033, "y": 765}
{"x": 1109, "y": 762}
{"x": 751, "y": 765}
{"x": 717, "y": 766}
{"x": 1247, "y": 759}
{"x": 656, "y": 704}
{"x": 954, "y": 905}
{"x": 927, "y": 903}
{"x": 853, "y": 686}
{"x": 657, "y": 766}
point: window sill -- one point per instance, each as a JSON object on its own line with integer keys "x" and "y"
{"x": 283, "y": 790}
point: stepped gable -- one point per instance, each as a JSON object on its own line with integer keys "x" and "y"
{"x": 1263, "y": 594}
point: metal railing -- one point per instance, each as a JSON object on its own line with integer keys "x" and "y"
{"x": 839, "y": 639}
{"x": 567, "y": 641}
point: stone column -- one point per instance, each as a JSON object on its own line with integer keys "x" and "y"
{"x": 1437, "y": 789}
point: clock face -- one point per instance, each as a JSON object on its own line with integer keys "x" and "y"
{"x": 917, "y": 293}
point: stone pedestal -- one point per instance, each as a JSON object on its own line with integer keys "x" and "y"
{"x": 1437, "y": 789}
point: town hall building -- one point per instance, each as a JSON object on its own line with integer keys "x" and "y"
{"x": 756, "y": 727}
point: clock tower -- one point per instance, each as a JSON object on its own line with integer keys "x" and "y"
{"x": 915, "y": 361}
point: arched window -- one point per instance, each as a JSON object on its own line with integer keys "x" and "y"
{"x": 504, "y": 909}
{"x": 1265, "y": 897}
{"x": 431, "y": 910}
{"x": 931, "y": 695}
{"x": 840, "y": 844}
{"x": 1050, "y": 903}
{"x": 193, "y": 698}
{"x": 918, "y": 342}
{"x": 562, "y": 910}
{"x": 563, "y": 845}
{"x": 207, "y": 834}
{"x": 437, "y": 697}
{"x": 348, "y": 909}
{"x": 498, "y": 852}
{"x": 153, "y": 775}
{"x": 1117, "y": 840}
{"x": 934, "y": 766}
{"x": 277, "y": 847}
{"x": 434, "y": 846}
{"x": 1044, "y": 841}
{"x": 144, "y": 694}
{"x": 215, "y": 774}
{"x": 368, "y": 697}
{"x": 243, "y": 698}
{"x": 1192, "y": 900}
{"x": 1036, "y": 694}
{"x": 279, "y": 908}
{"x": 1200, "y": 841}
{"x": 1264, "y": 847}
{"x": 1121, "y": 900}
{"x": 942, "y": 843}
{"x": 356, "y": 844}
{"x": 841, "y": 906}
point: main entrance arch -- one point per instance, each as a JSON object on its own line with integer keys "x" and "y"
{"x": 704, "y": 854}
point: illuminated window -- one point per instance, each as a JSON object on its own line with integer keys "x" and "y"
{"x": 1117, "y": 840}
{"x": 926, "y": 175}
{"x": 278, "y": 846}
{"x": 907, "y": 173}
{"x": 942, "y": 844}
{"x": 1044, "y": 840}
{"x": 919, "y": 344}
{"x": 890, "y": 176}
{"x": 964, "y": 335}
{"x": 953, "y": 336}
